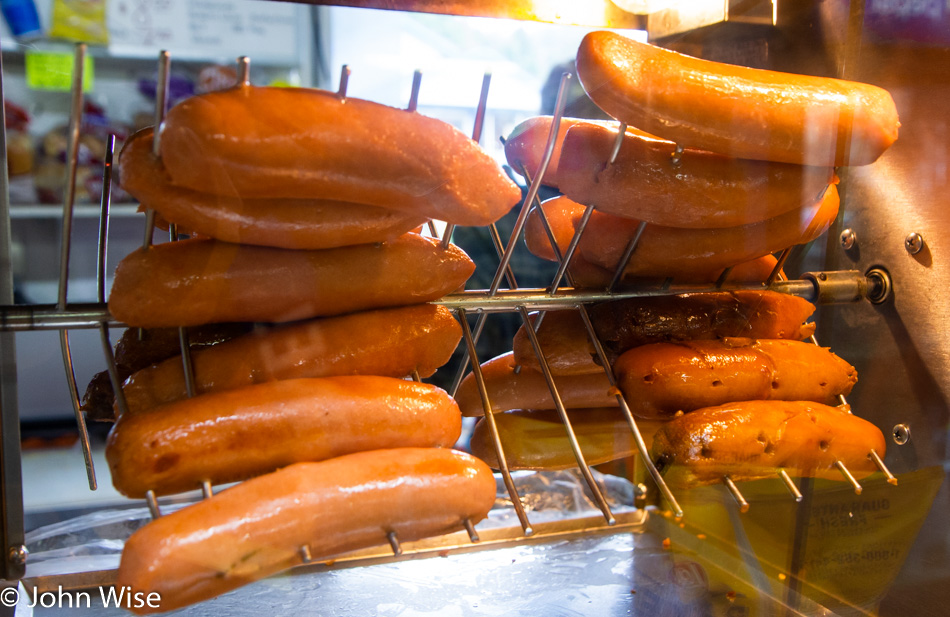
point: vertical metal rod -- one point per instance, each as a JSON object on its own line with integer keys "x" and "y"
{"x": 394, "y": 543}
{"x": 447, "y": 235}
{"x": 499, "y": 250}
{"x": 790, "y": 485}
{"x": 782, "y": 258}
{"x": 344, "y": 81}
{"x": 571, "y": 249}
{"x": 493, "y": 427}
{"x": 102, "y": 253}
{"x": 676, "y": 158}
{"x": 11, "y": 482}
{"x": 571, "y": 436}
{"x": 519, "y": 223}
{"x": 850, "y": 478}
{"x": 72, "y": 163}
{"x": 628, "y": 415}
{"x": 415, "y": 375}
{"x": 615, "y": 150}
{"x": 880, "y": 465}
{"x": 161, "y": 104}
{"x": 432, "y": 230}
{"x": 414, "y": 93}
{"x": 481, "y": 110}
{"x": 736, "y": 494}
{"x": 207, "y": 491}
{"x": 244, "y": 70}
{"x": 152, "y": 503}
{"x": 305, "y": 555}
{"x": 472, "y": 534}
{"x": 627, "y": 255}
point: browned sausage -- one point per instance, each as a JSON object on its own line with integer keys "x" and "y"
{"x": 201, "y": 281}
{"x": 283, "y": 223}
{"x": 662, "y": 379}
{"x": 676, "y": 252}
{"x": 252, "y": 142}
{"x": 751, "y": 440}
{"x": 230, "y": 436}
{"x": 624, "y": 324}
{"x": 528, "y": 389}
{"x": 389, "y": 342}
{"x": 704, "y": 190}
{"x": 257, "y": 528}
{"x": 738, "y": 111}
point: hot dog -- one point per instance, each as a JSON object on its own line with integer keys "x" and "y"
{"x": 200, "y": 281}
{"x": 283, "y": 223}
{"x": 675, "y": 252}
{"x": 252, "y": 142}
{"x": 257, "y": 528}
{"x": 528, "y": 389}
{"x": 624, "y": 324}
{"x": 662, "y": 379}
{"x": 238, "y": 434}
{"x": 525, "y": 145}
{"x": 538, "y": 439}
{"x": 737, "y": 111}
{"x": 389, "y": 342}
{"x": 754, "y": 439}
{"x": 705, "y": 190}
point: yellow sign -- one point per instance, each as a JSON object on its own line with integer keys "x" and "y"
{"x": 54, "y": 71}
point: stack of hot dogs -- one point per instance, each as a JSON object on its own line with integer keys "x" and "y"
{"x": 304, "y": 203}
{"x": 738, "y": 164}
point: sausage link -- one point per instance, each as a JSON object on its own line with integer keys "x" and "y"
{"x": 662, "y": 379}
{"x": 234, "y": 435}
{"x": 194, "y": 282}
{"x": 283, "y": 223}
{"x": 256, "y": 528}
{"x": 736, "y": 111}
{"x": 388, "y": 342}
{"x": 704, "y": 190}
{"x": 253, "y": 142}
{"x": 625, "y": 324}
{"x": 528, "y": 389}
{"x": 751, "y": 440}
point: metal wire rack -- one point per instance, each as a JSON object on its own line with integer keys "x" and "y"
{"x": 817, "y": 287}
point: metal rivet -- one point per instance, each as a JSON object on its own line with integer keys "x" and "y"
{"x": 914, "y": 243}
{"x": 901, "y": 434}
{"x": 18, "y": 554}
{"x": 848, "y": 238}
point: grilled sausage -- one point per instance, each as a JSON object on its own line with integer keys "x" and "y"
{"x": 662, "y": 379}
{"x": 704, "y": 190}
{"x": 737, "y": 111}
{"x": 234, "y": 435}
{"x": 389, "y": 342}
{"x": 527, "y": 389}
{"x": 624, "y": 324}
{"x": 257, "y": 528}
{"x": 751, "y": 440}
{"x": 674, "y": 252}
{"x": 283, "y": 223}
{"x": 253, "y": 142}
{"x": 201, "y": 281}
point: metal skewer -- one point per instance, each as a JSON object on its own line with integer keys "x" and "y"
{"x": 206, "y": 489}
{"x": 880, "y": 465}
{"x": 394, "y": 543}
{"x": 344, "y": 81}
{"x": 304, "y": 552}
{"x": 627, "y": 255}
{"x": 472, "y": 534}
{"x": 414, "y": 92}
{"x": 492, "y": 426}
{"x": 244, "y": 70}
{"x": 75, "y": 121}
{"x": 847, "y": 474}
{"x": 615, "y": 149}
{"x": 737, "y": 495}
{"x": 161, "y": 104}
{"x": 152, "y": 503}
{"x": 797, "y": 494}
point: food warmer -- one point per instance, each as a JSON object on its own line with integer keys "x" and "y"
{"x": 621, "y": 543}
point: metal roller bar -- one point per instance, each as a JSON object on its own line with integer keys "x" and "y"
{"x": 790, "y": 485}
{"x": 874, "y": 456}
{"x": 850, "y": 478}
{"x": 736, "y": 494}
